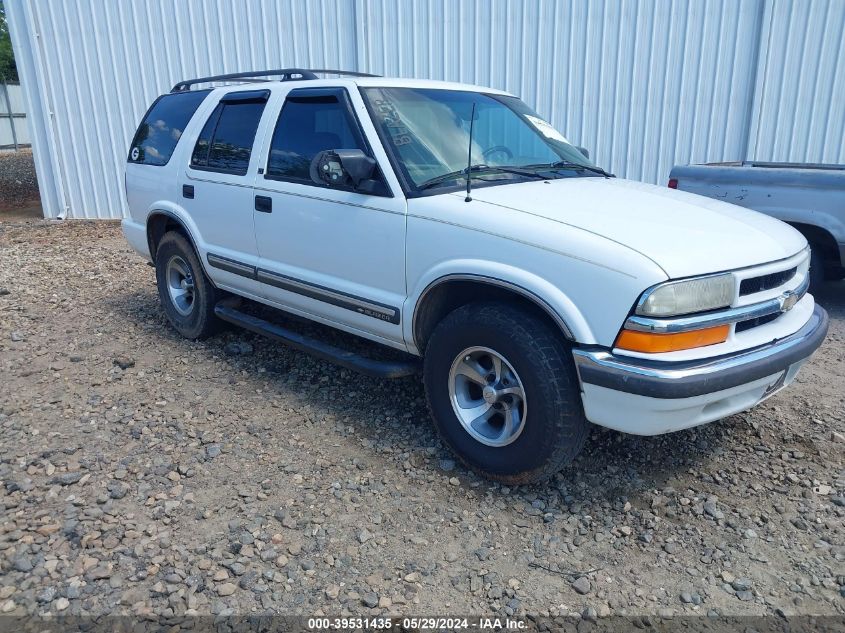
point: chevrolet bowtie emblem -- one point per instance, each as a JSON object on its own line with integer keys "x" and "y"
{"x": 788, "y": 301}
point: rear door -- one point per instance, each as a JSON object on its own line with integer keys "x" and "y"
{"x": 333, "y": 254}
{"x": 216, "y": 187}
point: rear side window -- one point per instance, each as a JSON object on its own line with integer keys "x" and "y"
{"x": 225, "y": 143}
{"x": 308, "y": 125}
{"x": 162, "y": 127}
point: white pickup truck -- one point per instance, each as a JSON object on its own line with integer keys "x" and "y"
{"x": 535, "y": 292}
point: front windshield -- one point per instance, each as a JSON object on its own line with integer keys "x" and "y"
{"x": 427, "y": 131}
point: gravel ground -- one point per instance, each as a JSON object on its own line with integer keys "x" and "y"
{"x": 144, "y": 474}
{"x": 18, "y": 184}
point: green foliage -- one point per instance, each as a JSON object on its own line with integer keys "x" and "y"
{"x": 8, "y": 70}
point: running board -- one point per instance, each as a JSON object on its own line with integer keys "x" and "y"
{"x": 226, "y": 311}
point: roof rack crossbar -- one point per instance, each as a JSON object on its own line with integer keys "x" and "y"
{"x": 285, "y": 74}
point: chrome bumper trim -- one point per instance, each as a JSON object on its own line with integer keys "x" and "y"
{"x": 686, "y": 379}
{"x": 783, "y": 303}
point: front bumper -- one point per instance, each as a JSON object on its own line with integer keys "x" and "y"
{"x": 651, "y": 397}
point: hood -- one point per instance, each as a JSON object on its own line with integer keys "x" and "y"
{"x": 683, "y": 233}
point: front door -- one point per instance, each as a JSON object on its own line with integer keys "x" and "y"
{"x": 333, "y": 254}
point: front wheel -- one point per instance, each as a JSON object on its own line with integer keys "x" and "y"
{"x": 503, "y": 392}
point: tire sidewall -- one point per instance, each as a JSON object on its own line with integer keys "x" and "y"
{"x": 191, "y": 325}
{"x": 546, "y": 405}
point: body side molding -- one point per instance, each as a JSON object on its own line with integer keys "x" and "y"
{"x": 361, "y": 305}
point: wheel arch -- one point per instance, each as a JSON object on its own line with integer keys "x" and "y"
{"x": 822, "y": 238}
{"x": 450, "y": 291}
{"x": 159, "y": 222}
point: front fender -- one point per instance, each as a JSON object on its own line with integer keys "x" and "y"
{"x": 548, "y": 296}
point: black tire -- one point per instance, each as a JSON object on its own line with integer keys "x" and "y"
{"x": 817, "y": 272}
{"x": 199, "y": 321}
{"x": 555, "y": 428}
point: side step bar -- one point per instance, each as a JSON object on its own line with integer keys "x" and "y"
{"x": 226, "y": 311}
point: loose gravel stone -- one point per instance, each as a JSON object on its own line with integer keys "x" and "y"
{"x": 198, "y": 480}
{"x": 741, "y": 584}
{"x": 227, "y": 589}
{"x": 22, "y": 563}
{"x": 67, "y": 479}
{"x": 582, "y": 585}
{"x": 18, "y": 183}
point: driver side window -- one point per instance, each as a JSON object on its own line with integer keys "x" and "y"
{"x": 307, "y": 125}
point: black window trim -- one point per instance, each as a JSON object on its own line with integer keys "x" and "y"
{"x": 147, "y": 114}
{"x": 215, "y": 114}
{"x": 238, "y": 97}
{"x": 398, "y": 168}
{"x": 342, "y": 95}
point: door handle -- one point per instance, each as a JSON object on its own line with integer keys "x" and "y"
{"x": 264, "y": 204}
{"x": 188, "y": 191}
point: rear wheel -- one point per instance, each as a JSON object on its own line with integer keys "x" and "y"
{"x": 503, "y": 393}
{"x": 186, "y": 294}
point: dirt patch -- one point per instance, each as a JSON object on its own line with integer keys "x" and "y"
{"x": 19, "y": 197}
{"x": 146, "y": 474}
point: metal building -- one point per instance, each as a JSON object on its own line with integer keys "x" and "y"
{"x": 14, "y": 132}
{"x": 643, "y": 84}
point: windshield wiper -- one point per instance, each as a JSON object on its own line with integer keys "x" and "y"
{"x": 473, "y": 169}
{"x": 568, "y": 164}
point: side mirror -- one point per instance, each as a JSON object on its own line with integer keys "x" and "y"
{"x": 584, "y": 151}
{"x": 343, "y": 168}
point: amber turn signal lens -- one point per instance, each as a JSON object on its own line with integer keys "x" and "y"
{"x": 652, "y": 343}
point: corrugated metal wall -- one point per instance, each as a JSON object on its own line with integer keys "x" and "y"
{"x": 799, "y": 107}
{"x": 643, "y": 84}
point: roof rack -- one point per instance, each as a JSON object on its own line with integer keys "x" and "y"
{"x": 284, "y": 74}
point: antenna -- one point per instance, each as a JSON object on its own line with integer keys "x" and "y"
{"x": 469, "y": 154}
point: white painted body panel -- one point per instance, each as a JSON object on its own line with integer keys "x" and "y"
{"x": 352, "y": 247}
{"x": 682, "y": 233}
{"x": 341, "y": 240}
{"x": 561, "y": 264}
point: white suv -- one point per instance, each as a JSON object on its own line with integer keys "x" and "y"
{"x": 455, "y": 224}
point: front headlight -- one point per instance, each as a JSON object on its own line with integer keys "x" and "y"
{"x": 687, "y": 296}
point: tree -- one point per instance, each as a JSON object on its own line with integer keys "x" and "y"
{"x": 8, "y": 70}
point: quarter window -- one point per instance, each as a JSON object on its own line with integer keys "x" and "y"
{"x": 225, "y": 143}
{"x": 308, "y": 125}
{"x": 162, "y": 127}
